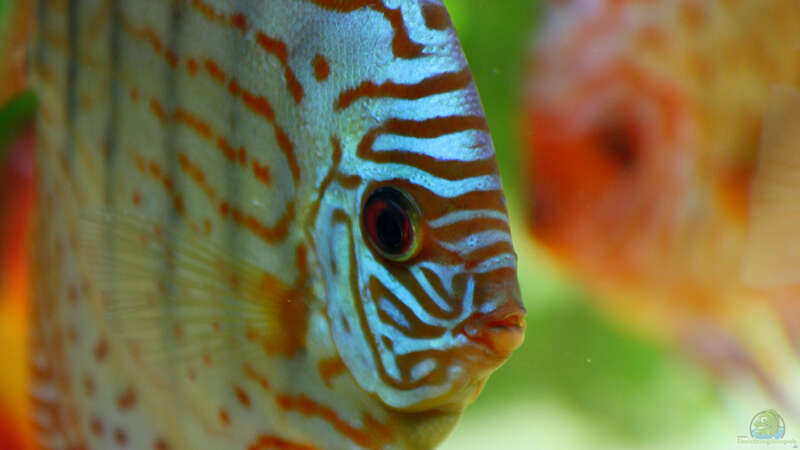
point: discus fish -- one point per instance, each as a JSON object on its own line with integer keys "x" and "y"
{"x": 643, "y": 123}
{"x": 270, "y": 224}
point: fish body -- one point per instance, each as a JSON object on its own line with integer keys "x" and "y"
{"x": 262, "y": 225}
{"x": 643, "y": 129}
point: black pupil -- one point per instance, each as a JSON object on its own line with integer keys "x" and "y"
{"x": 388, "y": 221}
{"x": 390, "y": 225}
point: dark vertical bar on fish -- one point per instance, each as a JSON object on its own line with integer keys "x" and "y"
{"x": 72, "y": 73}
{"x": 232, "y": 179}
{"x": 169, "y": 148}
{"x": 111, "y": 139}
{"x": 38, "y": 51}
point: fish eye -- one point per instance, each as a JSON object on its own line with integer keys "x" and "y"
{"x": 390, "y": 220}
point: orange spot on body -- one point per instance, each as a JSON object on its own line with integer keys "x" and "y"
{"x": 257, "y": 104}
{"x": 234, "y": 88}
{"x": 261, "y": 172}
{"x": 192, "y": 66}
{"x": 330, "y": 368}
{"x": 273, "y": 46}
{"x": 120, "y": 436}
{"x": 101, "y": 349}
{"x": 214, "y": 71}
{"x": 295, "y": 88}
{"x": 288, "y": 149}
{"x": 160, "y": 444}
{"x": 202, "y": 128}
{"x": 158, "y": 110}
{"x": 197, "y": 174}
{"x": 137, "y": 199}
{"x": 154, "y": 40}
{"x": 224, "y": 418}
{"x": 239, "y": 21}
{"x": 172, "y": 58}
{"x": 205, "y": 9}
{"x": 321, "y": 68}
{"x": 242, "y": 396}
{"x": 255, "y": 376}
{"x": 157, "y": 173}
{"x": 227, "y": 150}
{"x": 96, "y": 426}
{"x": 251, "y": 334}
{"x": 155, "y": 169}
{"x": 127, "y": 399}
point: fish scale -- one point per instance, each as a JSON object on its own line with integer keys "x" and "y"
{"x": 204, "y": 277}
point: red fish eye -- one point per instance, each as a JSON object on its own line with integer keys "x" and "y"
{"x": 390, "y": 221}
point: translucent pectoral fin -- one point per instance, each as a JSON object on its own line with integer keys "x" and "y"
{"x": 182, "y": 305}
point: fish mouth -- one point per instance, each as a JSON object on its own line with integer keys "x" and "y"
{"x": 500, "y": 331}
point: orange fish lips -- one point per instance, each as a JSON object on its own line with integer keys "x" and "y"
{"x": 500, "y": 332}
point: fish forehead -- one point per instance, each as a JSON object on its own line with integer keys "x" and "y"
{"x": 211, "y": 116}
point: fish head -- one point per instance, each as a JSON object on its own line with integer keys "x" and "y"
{"x": 413, "y": 237}
{"x": 422, "y": 295}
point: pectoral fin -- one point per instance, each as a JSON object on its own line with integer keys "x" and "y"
{"x": 180, "y": 302}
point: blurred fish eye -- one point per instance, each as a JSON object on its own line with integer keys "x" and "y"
{"x": 619, "y": 142}
{"x": 390, "y": 221}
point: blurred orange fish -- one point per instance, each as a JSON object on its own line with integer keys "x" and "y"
{"x": 642, "y": 128}
{"x": 16, "y": 213}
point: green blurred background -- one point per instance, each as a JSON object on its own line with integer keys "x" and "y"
{"x": 580, "y": 380}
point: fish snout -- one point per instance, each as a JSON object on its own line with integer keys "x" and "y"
{"x": 500, "y": 331}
